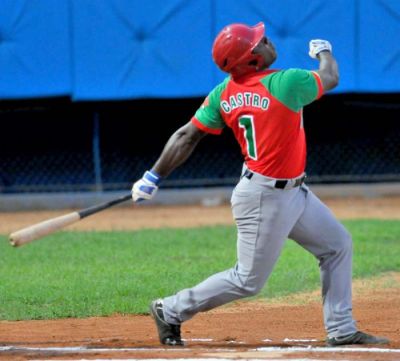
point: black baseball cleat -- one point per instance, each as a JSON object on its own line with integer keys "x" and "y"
{"x": 168, "y": 333}
{"x": 357, "y": 338}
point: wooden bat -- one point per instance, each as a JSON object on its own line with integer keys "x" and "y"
{"x": 38, "y": 230}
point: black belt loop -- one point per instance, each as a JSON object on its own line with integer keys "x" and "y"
{"x": 248, "y": 174}
{"x": 300, "y": 181}
{"x": 281, "y": 184}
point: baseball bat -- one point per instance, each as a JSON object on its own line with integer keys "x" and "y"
{"x": 38, "y": 230}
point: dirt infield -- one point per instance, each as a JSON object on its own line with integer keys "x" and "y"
{"x": 285, "y": 329}
{"x": 241, "y": 330}
{"x": 136, "y": 217}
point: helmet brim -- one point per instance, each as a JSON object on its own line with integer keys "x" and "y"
{"x": 258, "y": 33}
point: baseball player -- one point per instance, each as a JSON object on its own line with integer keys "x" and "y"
{"x": 264, "y": 109}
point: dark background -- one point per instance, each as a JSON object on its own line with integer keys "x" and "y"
{"x": 47, "y": 144}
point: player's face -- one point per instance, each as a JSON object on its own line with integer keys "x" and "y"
{"x": 266, "y": 49}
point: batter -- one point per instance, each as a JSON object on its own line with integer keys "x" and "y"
{"x": 264, "y": 110}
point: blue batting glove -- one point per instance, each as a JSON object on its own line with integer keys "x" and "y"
{"x": 146, "y": 187}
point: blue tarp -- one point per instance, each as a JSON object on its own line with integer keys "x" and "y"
{"x": 34, "y": 48}
{"x": 119, "y": 49}
{"x": 141, "y": 49}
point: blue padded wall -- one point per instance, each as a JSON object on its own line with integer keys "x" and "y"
{"x": 120, "y": 49}
{"x": 136, "y": 49}
{"x": 378, "y": 55}
{"x": 34, "y": 48}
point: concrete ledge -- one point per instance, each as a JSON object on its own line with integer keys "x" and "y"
{"x": 360, "y": 190}
{"x": 79, "y": 200}
{"x": 204, "y": 196}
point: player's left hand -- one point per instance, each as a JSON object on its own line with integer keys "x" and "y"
{"x": 318, "y": 45}
{"x": 146, "y": 187}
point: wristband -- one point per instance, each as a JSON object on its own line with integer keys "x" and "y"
{"x": 152, "y": 177}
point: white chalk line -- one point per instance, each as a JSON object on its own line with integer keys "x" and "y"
{"x": 83, "y": 349}
{"x": 193, "y": 359}
{"x": 327, "y": 349}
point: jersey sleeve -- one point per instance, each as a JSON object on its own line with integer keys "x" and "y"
{"x": 208, "y": 117}
{"x": 294, "y": 87}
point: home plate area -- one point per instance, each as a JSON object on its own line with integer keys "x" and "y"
{"x": 220, "y": 353}
{"x": 246, "y": 330}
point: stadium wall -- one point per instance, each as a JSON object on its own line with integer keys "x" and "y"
{"x": 66, "y": 146}
{"x": 124, "y": 49}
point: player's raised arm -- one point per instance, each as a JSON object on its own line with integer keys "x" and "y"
{"x": 177, "y": 150}
{"x": 328, "y": 68}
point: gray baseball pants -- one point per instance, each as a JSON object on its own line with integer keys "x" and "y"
{"x": 265, "y": 218}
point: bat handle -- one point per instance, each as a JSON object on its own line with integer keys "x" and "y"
{"x": 99, "y": 207}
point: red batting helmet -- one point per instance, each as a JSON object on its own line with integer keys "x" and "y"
{"x": 233, "y": 46}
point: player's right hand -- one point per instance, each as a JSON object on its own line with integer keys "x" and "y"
{"x": 146, "y": 187}
{"x": 318, "y": 45}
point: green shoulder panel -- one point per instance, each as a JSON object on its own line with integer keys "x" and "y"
{"x": 293, "y": 87}
{"x": 209, "y": 114}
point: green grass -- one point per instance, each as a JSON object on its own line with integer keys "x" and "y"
{"x": 79, "y": 274}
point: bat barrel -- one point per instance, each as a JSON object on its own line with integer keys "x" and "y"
{"x": 49, "y": 226}
{"x": 42, "y": 229}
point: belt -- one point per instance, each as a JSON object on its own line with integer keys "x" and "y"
{"x": 277, "y": 183}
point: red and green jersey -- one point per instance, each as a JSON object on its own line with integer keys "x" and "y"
{"x": 265, "y": 112}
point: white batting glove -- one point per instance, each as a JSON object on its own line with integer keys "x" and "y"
{"x": 318, "y": 45}
{"x": 146, "y": 187}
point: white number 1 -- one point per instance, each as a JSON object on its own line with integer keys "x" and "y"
{"x": 246, "y": 122}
